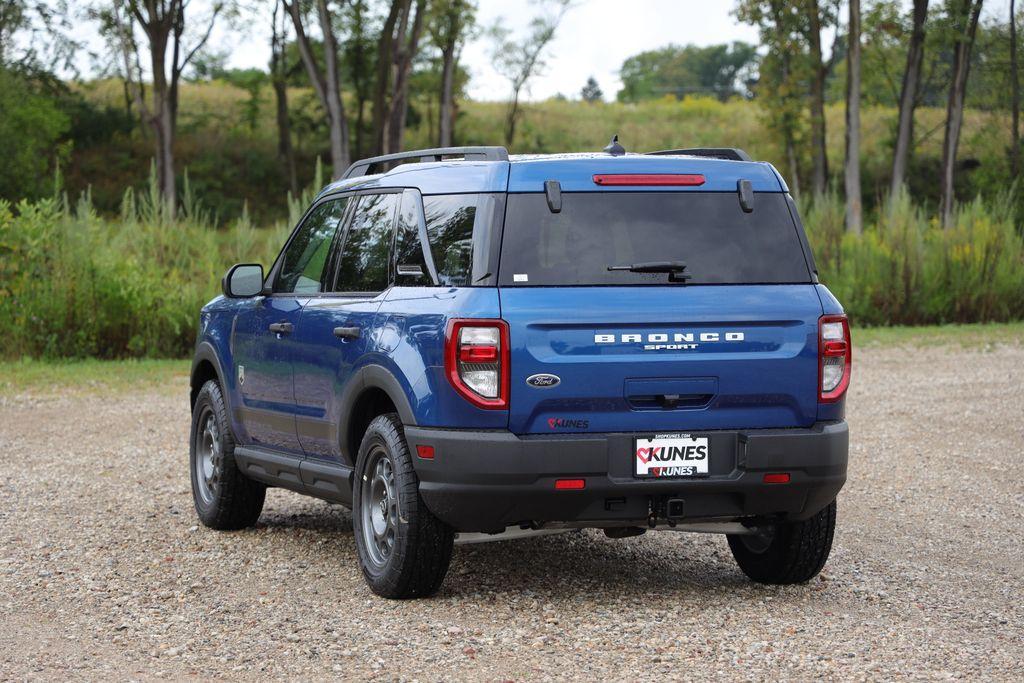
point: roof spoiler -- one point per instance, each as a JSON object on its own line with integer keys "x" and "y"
{"x": 728, "y": 153}
{"x": 363, "y": 166}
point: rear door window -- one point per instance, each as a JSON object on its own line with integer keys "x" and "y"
{"x": 363, "y": 266}
{"x": 719, "y": 243}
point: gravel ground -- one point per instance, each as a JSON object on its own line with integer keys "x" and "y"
{"x": 104, "y": 572}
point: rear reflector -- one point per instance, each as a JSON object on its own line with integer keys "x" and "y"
{"x": 777, "y": 478}
{"x": 425, "y": 452}
{"x": 650, "y": 179}
{"x": 570, "y": 484}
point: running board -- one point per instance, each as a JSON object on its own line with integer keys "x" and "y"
{"x": 326, "y": 480}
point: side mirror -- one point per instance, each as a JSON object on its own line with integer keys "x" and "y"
{"x": 243, "y": 280}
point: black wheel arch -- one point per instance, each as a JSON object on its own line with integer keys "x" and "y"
{"x": 205, "y": 366}
{"x": 371, "y": 391}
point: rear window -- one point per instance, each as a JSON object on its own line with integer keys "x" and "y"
{"x": 719, "y": 243}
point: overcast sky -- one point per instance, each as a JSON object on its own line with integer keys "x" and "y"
{"x": 595, "y": 37}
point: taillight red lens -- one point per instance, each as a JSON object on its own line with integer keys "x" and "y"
{"x": 835, "y": 356}
{"x": 477, "y": 361}
{"x": 650, "y": 179}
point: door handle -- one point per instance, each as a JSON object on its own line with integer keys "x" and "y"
{"x": 281, "y": 328}
{"x": 347, "y": 332}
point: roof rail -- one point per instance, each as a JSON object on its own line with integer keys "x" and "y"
{"x": 729, "y": 153}
{"x": 361, "y": 167}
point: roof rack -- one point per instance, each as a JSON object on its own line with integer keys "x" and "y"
{"x": 362, "y": 167}
{"x": 729, "y": 153}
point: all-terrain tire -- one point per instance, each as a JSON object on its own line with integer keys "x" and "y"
{"x": 224, "y": 497}
{"x": 795, "y": 553}
{"x": 413, "y": 563}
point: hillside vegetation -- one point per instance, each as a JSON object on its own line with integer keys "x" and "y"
{"x": 222, "y": 128}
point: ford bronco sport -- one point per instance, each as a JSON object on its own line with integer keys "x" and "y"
{"x": 461, "y": 345}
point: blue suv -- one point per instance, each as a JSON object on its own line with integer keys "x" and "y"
{"x": 463, "y": 346}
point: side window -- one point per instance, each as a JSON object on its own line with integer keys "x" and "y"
{"x": 364, "y": 257}
{"x": 409, "y": 253}
{"x": 450, "y": 220}
{"x": 302, "y": 267}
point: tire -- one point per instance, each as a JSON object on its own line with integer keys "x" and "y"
{"x": 790, "y": 552}
{"x": 224, "y": 498}
{"x": 404, "y": 550}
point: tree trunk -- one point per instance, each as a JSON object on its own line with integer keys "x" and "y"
{"x": 285, "y": 151}
{"x": 326, "y": 85}
{"x": 340, "y": 159}
{"x": 1015, "y": 85}
{"x": 819, "y": 155}
{"x": 854, "y": 218}
{"x": 383, "y": 83}
{"x": 447, "y": 106}
{"x": 278, "y": 78}
{"x": 161, "y": 116}
{"x": 407, "y": 45}
{"x": 511, "y": 118}
{"x": 966, "y": 25}
{"x": 908, "y": 98}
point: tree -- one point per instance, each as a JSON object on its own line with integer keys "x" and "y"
{"x": 163, "y": 22}
{"x": 591, "y": 91}
{"x": 396, "y": 48}
{"x": 964, "y": 15}
{"x": 519, "y": 60}
{"x": 680, "y": 71}
{"x": 404, "y": 48}
{"x": 854, "y": 217}
{"x": 451, "y": 23}
{"x": 782, "y": 74}
{"x": 358, "y": 58}
{"x": 1015, "y": 88}
{"x": 909, "y": 94}
{"x": 279, "y": 80}
{"x": 819, "y": 72}
{"x": 326, "y": 82}
{"x": 31, "y": 127}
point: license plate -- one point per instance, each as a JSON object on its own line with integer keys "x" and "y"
{"x": 671, "y": 455}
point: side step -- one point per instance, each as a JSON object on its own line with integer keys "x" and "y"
{"x": 329, "y": 481}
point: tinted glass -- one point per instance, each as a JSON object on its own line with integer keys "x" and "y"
{"x": 364, "y": 256}
{"x": 408, "y": 247}
{"x": 302, "y": 268}
{"x": 719, "y": 243}
{"x": 450, "y": 220}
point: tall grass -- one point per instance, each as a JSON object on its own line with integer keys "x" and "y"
{"x": 906, "y": 270}
{"x": 75, "y": 284}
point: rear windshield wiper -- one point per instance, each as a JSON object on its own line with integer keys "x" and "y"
{"x": 673, "y": 268}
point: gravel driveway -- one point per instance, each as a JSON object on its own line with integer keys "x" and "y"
{"x": 104, "y": 572}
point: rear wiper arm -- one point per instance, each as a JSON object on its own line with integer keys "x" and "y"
{"x": 673, "y": 268}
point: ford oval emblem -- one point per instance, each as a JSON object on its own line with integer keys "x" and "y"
{"x": 543, "y": 381}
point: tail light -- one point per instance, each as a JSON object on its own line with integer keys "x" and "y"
{"x": 477, "y": 361}
{"x": 835, "y": 354}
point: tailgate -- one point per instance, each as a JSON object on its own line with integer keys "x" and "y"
{"x": 661, "y": 358}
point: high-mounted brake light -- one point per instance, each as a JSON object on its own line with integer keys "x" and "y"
{"x": 835, "y": 356}
{"x": 476, "y": 361}
{"x": 650, "y": 179}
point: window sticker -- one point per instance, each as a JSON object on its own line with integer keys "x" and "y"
{"x": 520, "y": 277}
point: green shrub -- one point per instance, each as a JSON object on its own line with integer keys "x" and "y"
{"x": 73, "y": 284}
{"x": 906, "y": 270}
{"x": 76, "y": 284}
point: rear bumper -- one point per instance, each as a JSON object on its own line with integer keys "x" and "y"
{"x": 488, "y": 480}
